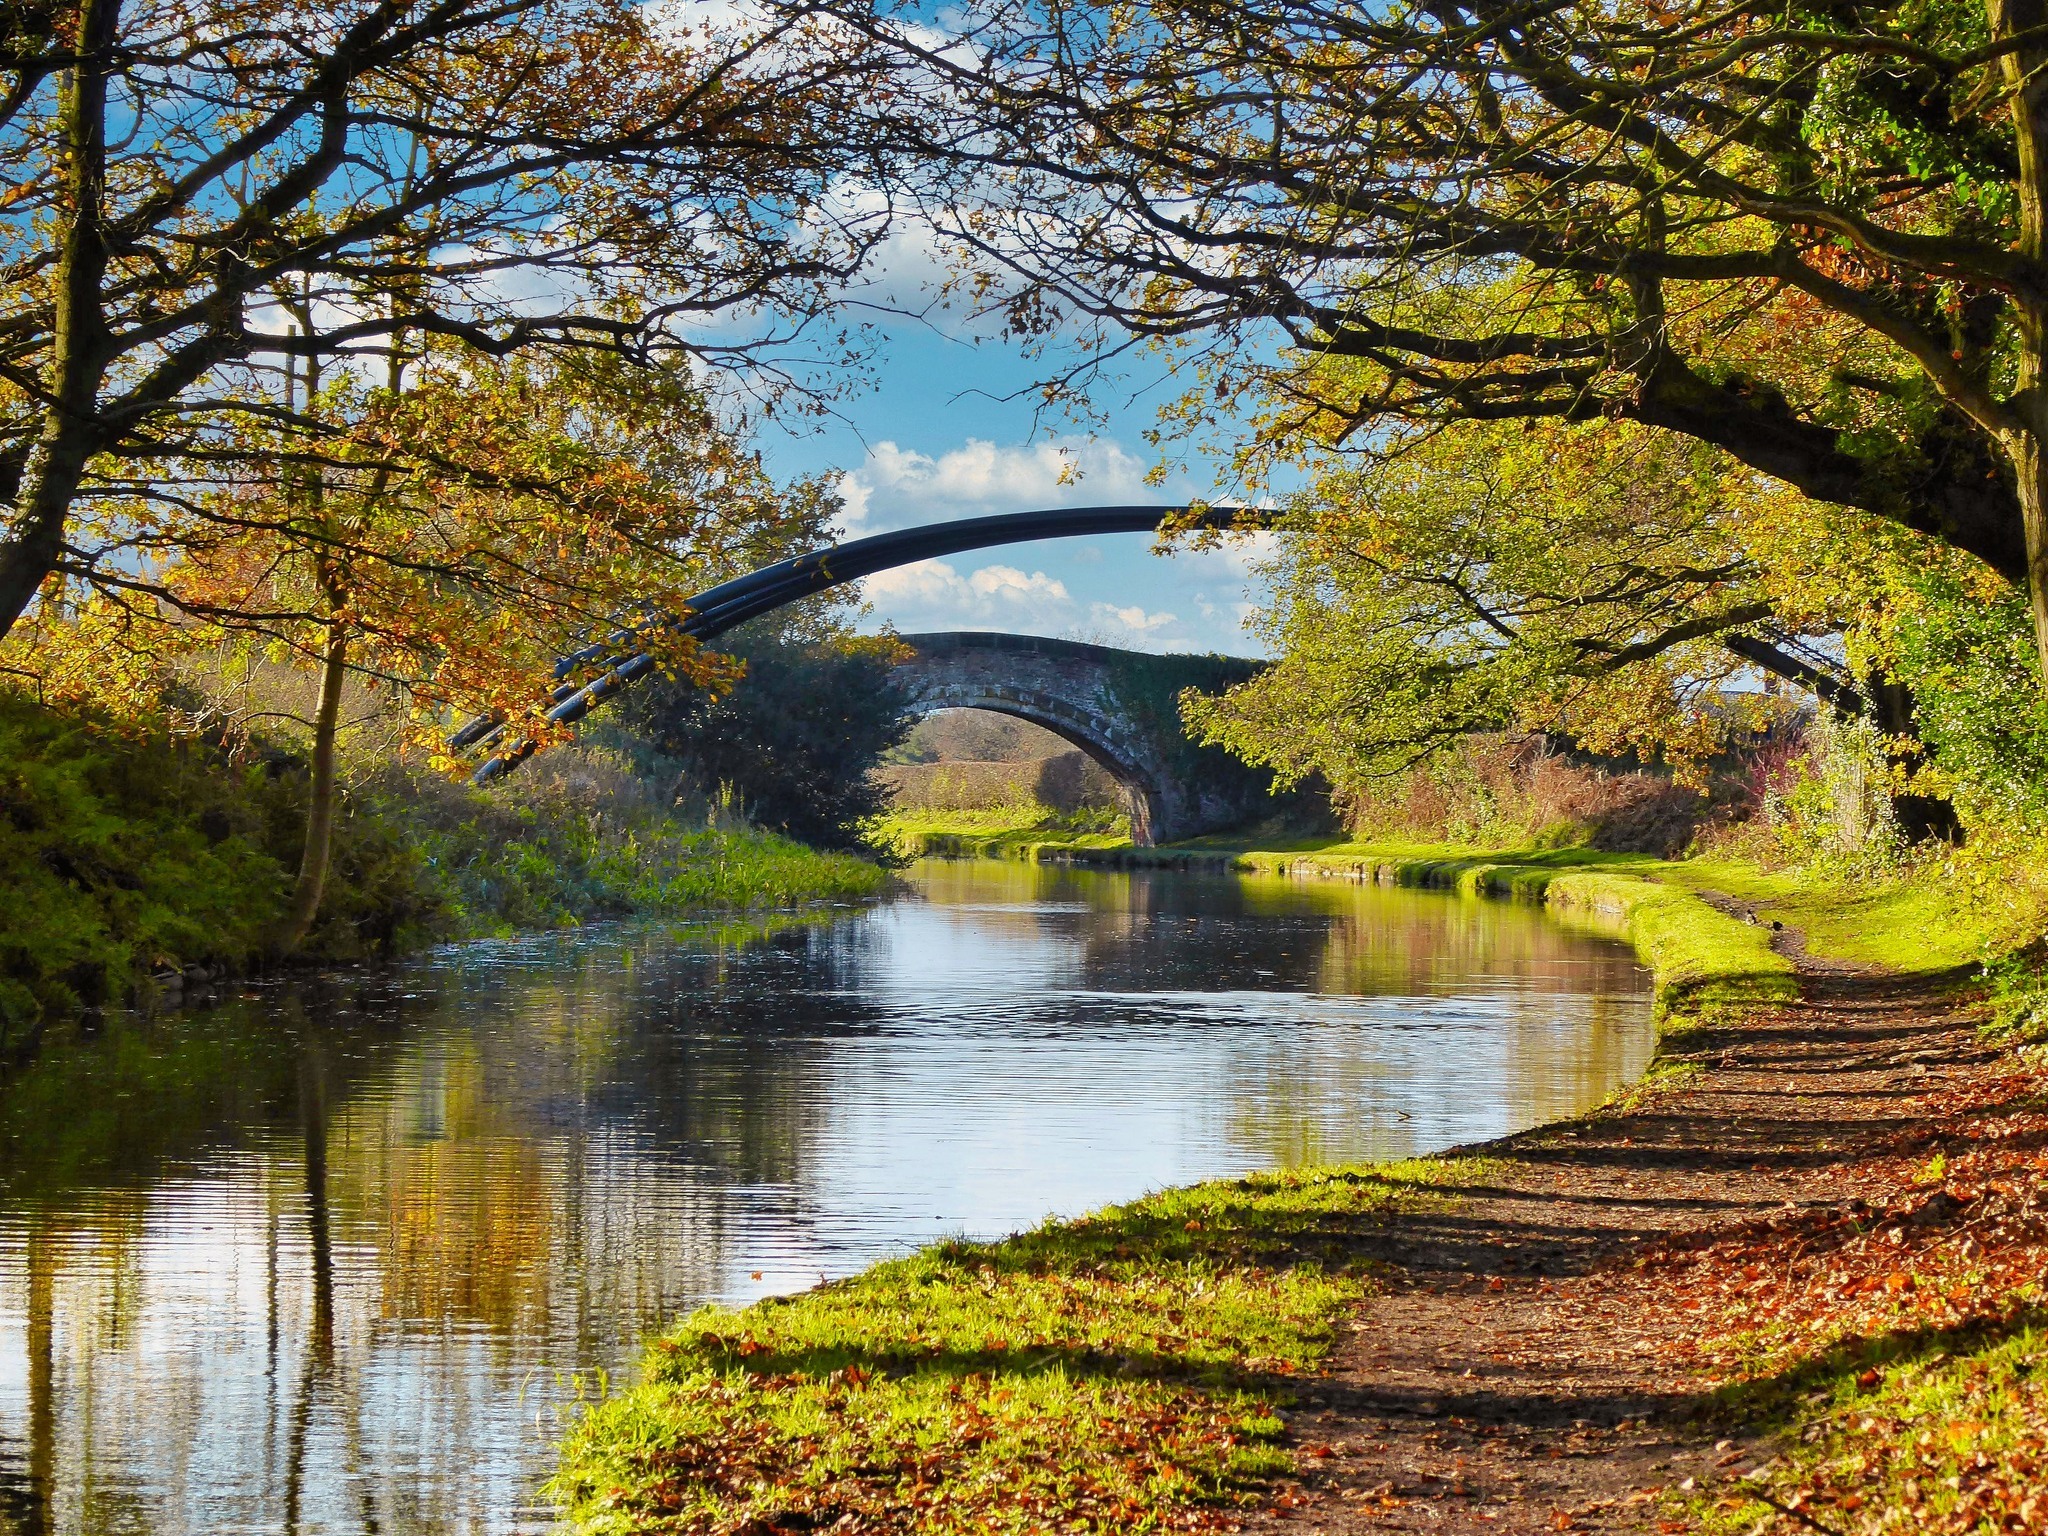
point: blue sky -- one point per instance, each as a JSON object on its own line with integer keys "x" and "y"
{"x": 940, "y": 438}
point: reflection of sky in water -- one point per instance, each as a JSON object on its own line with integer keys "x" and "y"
{"x": 321, "y": 1263}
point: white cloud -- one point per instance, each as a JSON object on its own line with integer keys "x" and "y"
{"x": 1012, "y": 585}
{"x": 934, "y": 595}
{"x": 897, "y": 486}
{"x": 1133, "y": 618}
{"x": 854, "y": 499}
{"x": 1238, "y": 557}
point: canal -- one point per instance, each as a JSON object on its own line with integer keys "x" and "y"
{"x": 336, "y": 1256}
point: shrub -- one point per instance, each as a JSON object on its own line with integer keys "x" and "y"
{"x": 580, "y": 835}
{"x": 796, "y": 741}
{"x": 124, "y": 850}
{"x": 1507, "y": 791}
{"x": 1832, "y": 804}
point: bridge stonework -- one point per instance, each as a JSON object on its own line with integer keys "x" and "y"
{"x": 1121, "y": 707}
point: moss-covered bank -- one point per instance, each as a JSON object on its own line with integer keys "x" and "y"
{"x": 1917, "y": 922}
{"x": 131, "y": 859}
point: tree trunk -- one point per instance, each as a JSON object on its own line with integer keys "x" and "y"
{"x": 312, "y": 881}
{"x": 2032, "y": 469}
{"x": 2026, "y": 77}
{"x": 1921, "y": 818}
{"x": 78, "y": 343}
{"x": 50, "y": 480}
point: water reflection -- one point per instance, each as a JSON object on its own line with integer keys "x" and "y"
{"x": 318, "y": 1262}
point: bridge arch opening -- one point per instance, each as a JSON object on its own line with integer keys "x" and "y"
{"x": 1141, "y": 797}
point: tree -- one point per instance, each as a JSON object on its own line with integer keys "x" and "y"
{"x": 496, "y": 175}
{"x": 444, "y": 539}
{"x": 1813, "y": 236}
{"x": 798, "y": 738}
{"x": 1567, "y": 580}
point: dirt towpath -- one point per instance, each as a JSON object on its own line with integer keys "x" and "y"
{"x": 1517, "y": 1375}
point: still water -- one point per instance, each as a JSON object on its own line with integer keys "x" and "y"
{"x": 325, "y": 1259}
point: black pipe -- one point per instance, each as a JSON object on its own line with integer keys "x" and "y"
{"x": 731, "y": 603}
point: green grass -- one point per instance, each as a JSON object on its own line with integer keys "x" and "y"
{"x": 1914, "y": 924}
{"x": 1114, "y": 1373}
{"x": 1000, "y": 832}
{"x": 505, "y": 870}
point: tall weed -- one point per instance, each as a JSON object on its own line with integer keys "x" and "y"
{"x": 1522, "y": 792}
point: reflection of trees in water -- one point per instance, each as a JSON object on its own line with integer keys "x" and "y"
{"x": 1540, "y": 1049}
{"x": 675, "y": 1055}
{"x": 569, "y": 1171}
{"x": 1171, "y": 934}
{"x": 1135, "y": 931}
{"x": 120, "y": 1429}
{"x": 1537, "y": 1046}
{"x": 129, "y": 1103}
{"x": 29, "y": 1500}
{"x": 1152, "y": 932}
{"x": 539, "y": 1152}
{"x": 392, "y": 1186}
{"x": 1533, "y": 1060}
{"x": 1406, "y": 943}
{"x": 90, "y": 1127}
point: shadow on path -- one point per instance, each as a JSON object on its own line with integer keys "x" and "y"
{"x": 1504, "y": 1382}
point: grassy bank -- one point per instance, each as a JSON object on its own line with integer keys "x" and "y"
{"x": 1115, "y": 1373}
{"x": 583, "y": 838}
{"x": 1027, "y": 830}
{"x": 127, "y": 855}
{"x": 1918, "y": 922}
{"x": 1120, "y": 1372}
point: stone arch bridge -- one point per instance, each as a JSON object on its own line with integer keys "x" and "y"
{"x": 1121, "y": 707}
